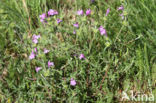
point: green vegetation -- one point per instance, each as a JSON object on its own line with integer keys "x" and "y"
{"x": 123, "y": 60}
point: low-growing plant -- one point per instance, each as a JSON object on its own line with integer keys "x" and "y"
{"x": 76, "y": 50}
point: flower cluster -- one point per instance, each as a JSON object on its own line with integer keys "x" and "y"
{"x": 42, "y": 17}
{"x": 52, "y": 12}
{"x": 72, "y": 82}
{"x": 80, "y": 12}
{"x": 88, "y": 12}
{"x": 46, "y": 51}
{"x": 35, "y": 38}
{"x": 81, "y": 56}
{"x": 34, "y": 52}
{"x": 50, "y": 64}
{"x": 102, "y": 31}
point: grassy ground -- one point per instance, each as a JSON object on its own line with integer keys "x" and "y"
{"x": 123, "y": 60}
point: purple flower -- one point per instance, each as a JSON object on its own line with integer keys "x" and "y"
{"x": 81, "y": 56}
{"x": 35, "y": 49}
{"x": 74, "y": 32}
{"x": 35, "y": 41}
{"x": 122, "y": 16}
{"x": 38, "y": 69}
{"x": 107, "y": 12}
{"x": 58, "y": 21}
{"x": 88, "y": 12}
{"x": 43, "y": 16}
{"x": 52, "y": 12}
{"x": 35, "y": 38}
{"x": 102, "y": 31}
{"x": 100, "y": 28}
{"x": 50, "y": 64}
{"x": 80, "y": 12}
{"x": 41, "y": 20}
{"x": 76, "y": 25}
{"x": 46, "y": 51}
{"x": 72, "y": 82}
{"x": 121, "y": 8}
{"x": 32, "y": 55}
